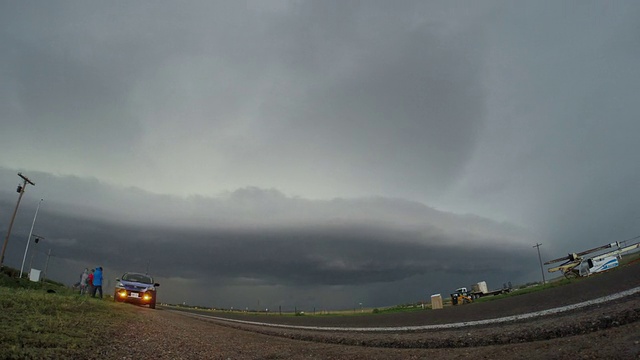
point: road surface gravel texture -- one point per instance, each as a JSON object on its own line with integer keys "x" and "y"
{"x": 608, "y": 330}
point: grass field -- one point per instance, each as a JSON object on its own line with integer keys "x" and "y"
{"x": 49, "y": 321}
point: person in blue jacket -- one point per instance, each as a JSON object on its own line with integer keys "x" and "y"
{"x": 97, "y": 282}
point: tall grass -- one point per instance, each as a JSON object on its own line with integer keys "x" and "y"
{"x": 49, "y": 323}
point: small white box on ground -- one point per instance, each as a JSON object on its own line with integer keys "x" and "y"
{"x": 34, "y": 275}
{"x": 436, "y": 301}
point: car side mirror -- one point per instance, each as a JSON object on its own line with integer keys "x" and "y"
{"x": 156, "y": 284}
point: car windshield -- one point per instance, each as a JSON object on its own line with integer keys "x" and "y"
{"x": 137, "y": 278}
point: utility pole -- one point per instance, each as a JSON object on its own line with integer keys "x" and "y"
{"x": 540, "y": 259}
{"x": 20, "y": 189}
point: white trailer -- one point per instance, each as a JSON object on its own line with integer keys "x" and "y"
{"x": 481, "y": 289}
{"x": 605, "y": 261}
{"x": 592, "y": 266}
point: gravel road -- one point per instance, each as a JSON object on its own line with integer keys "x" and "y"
{"x": 608, "y": 330}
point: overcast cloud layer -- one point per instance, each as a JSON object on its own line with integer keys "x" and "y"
{"x": 319, "y": 153}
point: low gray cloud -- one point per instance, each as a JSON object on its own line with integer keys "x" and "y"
{"x": 264, "y": 238}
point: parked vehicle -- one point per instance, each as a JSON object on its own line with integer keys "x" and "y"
{"x": 461, "y": 296}
{"x": 464, "y": 296}
{"x": 480, "y": 289}
{"x": 136, "y": 288}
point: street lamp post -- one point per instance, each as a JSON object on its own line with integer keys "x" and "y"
{"x": 29, "y": 238}
{"x": 13, "y": 217}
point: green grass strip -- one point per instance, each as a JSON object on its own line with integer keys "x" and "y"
{"x": 38, "y": 324}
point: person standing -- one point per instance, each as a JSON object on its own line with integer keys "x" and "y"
{"x": 84, "y": 278}
{"x": 97, "y": 282}
{"x": 90, "y": 281}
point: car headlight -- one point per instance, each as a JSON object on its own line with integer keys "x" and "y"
{"x": 120, "y": 285}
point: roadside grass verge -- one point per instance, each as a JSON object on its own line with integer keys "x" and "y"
{"x": 36, "y": 324}
{"x": 9, "y": 278}
{"x": 630, "y": 258}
